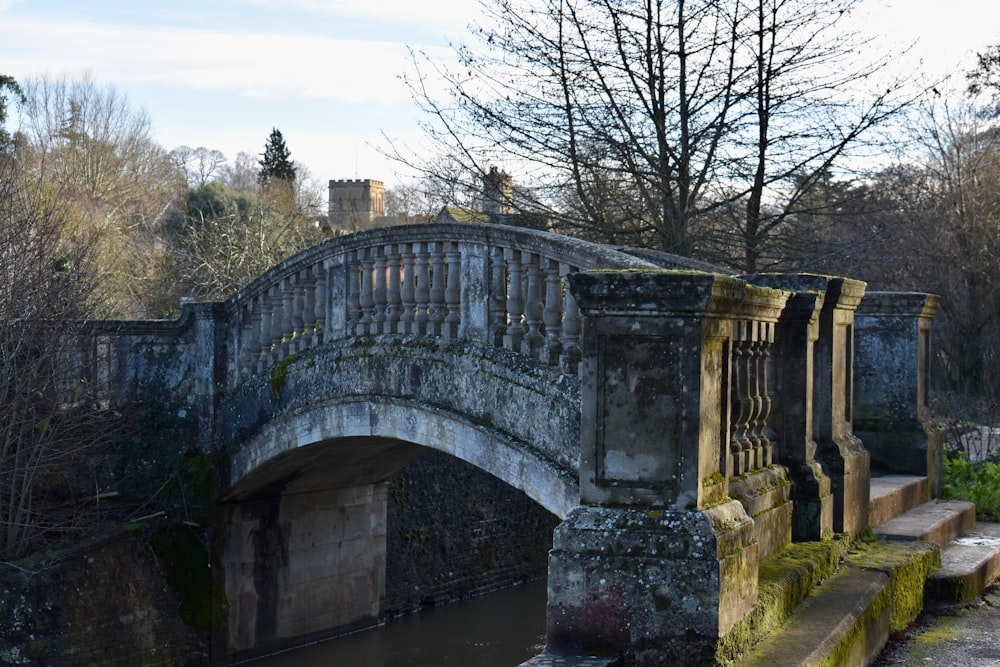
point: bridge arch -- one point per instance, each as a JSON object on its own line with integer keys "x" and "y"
{"x": 310, "y": 450}
{"x": 333, "y": 444}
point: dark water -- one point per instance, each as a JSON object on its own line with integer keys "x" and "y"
{"x": 501, "y": 629}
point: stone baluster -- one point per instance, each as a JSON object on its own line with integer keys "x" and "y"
{"x": 515, "y": 301}
{"x": 297, "y": 287}
{"x": 552, "y": 314}
{"x": 249, "y": 344}
{"x": 422, "y": 288}
{"x": 764, "y": 490}
{"x": 367, "y": 297}
{"x": 273, "y": 325}
{"x": 393, "y": 298}
{"x": 287, "y": 320}
{"x": 264, "y": 332}
{"x": 321, "y": 301}
{"x": 498, "y": 297}
{"x": 740, "y": 447}
{"x": 353, "y": 290}
{"x": 309, "y": 328}
{"x": 768, "y": 436}
{"x": 379, "y": 296}
{"x": 407, "y": 290}
{"x": 572, "y": 326}
{"x": 534, "y": 306}
{"x": 756, "y": 419}
{"x": 436, "y": 307}
{"x": 453, "y": 292}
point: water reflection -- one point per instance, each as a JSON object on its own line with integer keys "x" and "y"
{"x": 501, "y": 629}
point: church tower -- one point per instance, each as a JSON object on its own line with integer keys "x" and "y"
{"x": 355, "y": 203}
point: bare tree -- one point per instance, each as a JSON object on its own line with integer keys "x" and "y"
{"x": 200, "y": 165}
{"x": 89, "y": 144}
{"x": 241, "y": 175}
{"x": 50, "y": 421}
{"x": 224, "y": 238}
{"x": 634, "y": 120}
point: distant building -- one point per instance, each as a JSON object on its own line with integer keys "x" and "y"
{"x": 498, "y": 193}
{"x": 358, "y": 204}
{"x": 498, "y": 206}
{"x": 354, "y": 203}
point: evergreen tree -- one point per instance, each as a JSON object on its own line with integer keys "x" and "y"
{"x": 8, "y": 83}
{"x": 274, "y": 164}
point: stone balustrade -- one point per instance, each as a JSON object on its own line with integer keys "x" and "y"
{"x": 503, "y": 287}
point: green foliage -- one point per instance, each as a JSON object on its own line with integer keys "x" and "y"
{"x": 10, "y": 85}
{"x": 975, "y": 482}
{"x": 274, "y": 164}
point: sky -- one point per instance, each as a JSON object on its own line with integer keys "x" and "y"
{"x": 327, "y": 73}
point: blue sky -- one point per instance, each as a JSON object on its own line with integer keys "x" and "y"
{"x": 222, "y": 73}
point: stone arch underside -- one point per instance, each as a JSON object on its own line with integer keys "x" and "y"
{"x": 367, "y": 439}
{"x": 363, "y": 405}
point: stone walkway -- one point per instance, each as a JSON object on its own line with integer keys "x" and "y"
{"x": 957, "y": 636}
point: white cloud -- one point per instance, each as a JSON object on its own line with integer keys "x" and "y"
{"x": 451, "y": 14}
{"x": 258, "y": 63}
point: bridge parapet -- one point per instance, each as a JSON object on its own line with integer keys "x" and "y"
{"x": 500, "y": 286}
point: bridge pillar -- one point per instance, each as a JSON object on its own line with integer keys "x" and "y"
{"x": 892, "y": 413}
{"x": 841, "y": 453}
{"x": 657, "y": 563}
{"x": 302, "y": 564}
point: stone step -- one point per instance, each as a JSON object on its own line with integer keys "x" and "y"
{"x": 937, "y": 521}
{"x": 892, "y": 495}
{"x": 829, "y": 623}
{"x": 968, "y": 564}
{"x": 847, "y": 619}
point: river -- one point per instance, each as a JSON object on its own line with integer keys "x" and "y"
{"x": 501, "y": 629}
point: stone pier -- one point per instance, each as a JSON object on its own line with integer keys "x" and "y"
{"x": 892, "y": 415}
{"x": 658, "y": 562}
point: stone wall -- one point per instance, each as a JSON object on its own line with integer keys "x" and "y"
{"x": 107, "y": 604}
{"x": 302, "y": 564}
{"x": 454, "y": 532}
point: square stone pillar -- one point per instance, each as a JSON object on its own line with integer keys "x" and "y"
{"x": 798, "y": 330}
{"x": 892, "y": 413}
{"x": 841, "y": 453}
{"x": 657, "y": 563}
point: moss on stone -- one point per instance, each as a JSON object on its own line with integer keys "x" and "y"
{"x": 279, "y": 374}
{"x": 184, "y": 559}
{"x": 908, "y": 565}
{"x": 785, "y": 579}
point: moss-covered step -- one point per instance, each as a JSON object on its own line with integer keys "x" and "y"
{"x": 847, "y": 619}
{"x": 968, "y": 565}
{"x": 937, "y": 521}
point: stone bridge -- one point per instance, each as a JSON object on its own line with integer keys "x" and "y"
{"x": 682, "y": 423}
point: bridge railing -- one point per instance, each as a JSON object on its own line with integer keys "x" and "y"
{"x": 500, "y": 286}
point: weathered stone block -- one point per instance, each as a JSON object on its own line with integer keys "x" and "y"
{"x": 656, "y": 586}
